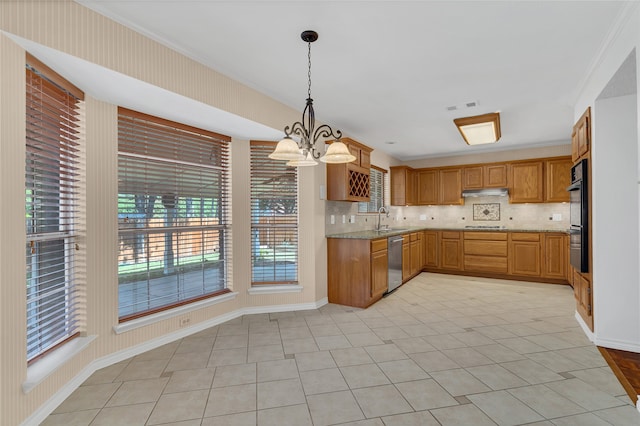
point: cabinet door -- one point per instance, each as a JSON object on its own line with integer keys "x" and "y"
{"x": 524, "y": 258}
{"x": 416, "y": 264}
{"x": 472, "y": 177}
{"x": 412, "y": 187}
{"x": 427, "y": 187}
{"x": 406, "y": 260}
{"x": 555, "y": 265}
{"x": 379, "y": 273}
{"x": 495, "y": 176}
{"x": 365, "y": 159}
{"x": 450, "y": 251}
{"x": 526, "y": 182}
{"x": 451, "y": 186}
{"x": 431, "y": 249}
{"x": 581, "y": 136}
{"x": 398, "y": 177}
{"x": 557, "y": 179}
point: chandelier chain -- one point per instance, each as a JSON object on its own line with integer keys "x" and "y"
{"x": 309, "y": 72}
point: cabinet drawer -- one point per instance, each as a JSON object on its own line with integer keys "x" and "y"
{"x": 377, "y": 245}
{"x": 414, "y": 236}
{"x": 473, "y": 263}
{"x": 495, "y": 236}
{"x": 450, "y": 235}
{"x": 486, "y": 248}
{"x": 525, "y": 236}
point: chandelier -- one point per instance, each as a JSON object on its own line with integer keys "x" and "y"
{"x": 305, "y": 152}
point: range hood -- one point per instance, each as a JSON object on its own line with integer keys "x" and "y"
{"x": 486, "y": 192}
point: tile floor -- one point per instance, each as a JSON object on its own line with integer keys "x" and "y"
{"x": 441, "y": 350}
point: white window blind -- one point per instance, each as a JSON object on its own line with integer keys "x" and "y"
{"x": 173, "y": 206}
{"x": 53, "y": 139}
{"x": 376, "y": 192}
{"x": 274, "y": 218}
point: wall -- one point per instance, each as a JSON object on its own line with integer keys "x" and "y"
{"x": 614, "y": 165}
{"x": 94, "y": 38}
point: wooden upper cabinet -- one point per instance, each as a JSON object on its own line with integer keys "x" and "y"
{"x": 526, "y": 182}
{"x": 350, "y": 181}
{"x": 557, "y": 179}
{"x": 485, "y": 176}
{"x": 427, "y": 187}
{"x": 581, "y": 136}
{"x": 451, "y": 186}
{"x": 404, "y": 186}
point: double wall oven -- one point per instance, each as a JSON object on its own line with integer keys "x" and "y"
{"x": 579, "y": 217}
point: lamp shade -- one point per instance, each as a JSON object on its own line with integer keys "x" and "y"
{"x": 337, "y": 153}
{"x": 480, "y": 129}
{"x": 287, "y": 149}
{"x": 305, "y": 161}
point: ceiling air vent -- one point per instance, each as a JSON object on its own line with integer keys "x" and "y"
{"x": 452, "y": 108}
{"x": 471, "y": 104}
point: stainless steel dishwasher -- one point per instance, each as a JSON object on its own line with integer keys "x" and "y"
{"x": 395, "y": 262}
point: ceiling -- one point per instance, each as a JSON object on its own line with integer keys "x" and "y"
{"x": 386, "y": 71}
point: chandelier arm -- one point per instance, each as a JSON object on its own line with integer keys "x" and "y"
{"x": 325, "y": 131}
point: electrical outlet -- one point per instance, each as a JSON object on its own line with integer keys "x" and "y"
{"x": 344, "y": 218}
{"x": 184, "y": 322}
{"x": 556, "y": 216}
{"x": 423, "y": 217}
{"x": 353, "y": 218}
{"x": 333, "y": 219}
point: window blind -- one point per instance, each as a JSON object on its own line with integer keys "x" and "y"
{"x": 53, "y": 139}
{"x": 274, "y": 218}
{"x": 376, "y": 192}
{"x": 173, "y": 206}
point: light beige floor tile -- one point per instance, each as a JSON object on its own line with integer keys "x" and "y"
{"x": 586, "y": 419}
{"x": 107, "y": 374}
{"x": 555, "y": 362}
{"x": 280, "y": 393}
{"x": 444, "y": 341}
{"x": 388, "y": 352}
{"x": 462, "y": 415}
{"x": 549, "y": 342}
{"x": 390, "y": 333}
{"x": 138, "y": 392}
{"x": 546, "y": 402}
{"x": 420, "y": 418}
{"x": 295, "y": 346}
{"x": 587, "y": 356}
{"x": 229, "y": 329}
{"x": 418, "y": 330}
{"x": 186, "y": 380}
{"x": 364, "y": 339}
{"x": 322, "y": 381}
{"x": 459, "y": 382}
{"x": 240, "y": 419}
{"x": 315, "y": 361}
{"x": 504, "y": 409}
{"x": 277, "y": 370}
{"x": 531, "y": 371}
{"x": 413, "y": 345}
{"x": 521, "y": 345}
{"x": 128, "y": 415}
{"x": 326, "y": 343}
{"x": 181, "y": 406}
{"x": 379, "y": 401}
{"x": 494, "y": 332}
{"x": 350, "y": 356}
{"x": 161, "y": 352}
{"x": 466, "y": 357}
{"x": 325, "y": 330}
{"x": 137, "y": 370}
{"x": 584, "y": 394}
{"x": 425, "y": 394}
{"x": 499, "y": 353}
{"x": 365, "y": 375}
{"x": 294, "y": 415}
{"x": 230, "y": 375}
{"x": 496, "y": 377}
{"x": 434, "y": 361}
{"x": 367, "y": 422}
{"x": 188, "y": 361}
{"x": 403, "y": 370}
{"x": 264, "y": 339}
{"x": 231, "y": 341}
{"x": 196, "y": 344}
{"x": 231, "y": 400}
{"x": 333, "y": 408}
{"x": 75, "y": 418}
{"x": 227, "y": 357}
{"x": 88, "y": 397}
{"x": 354, "y": 328}
{"x": 602, "y": 379}
{"x": 296, "y": 332}
{"x": 622, "y": 416}
{"x": 265, "y": 353}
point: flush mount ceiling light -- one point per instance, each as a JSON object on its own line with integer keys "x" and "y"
{"x": 479, "y": 129}
{"x": 305, "y": 152}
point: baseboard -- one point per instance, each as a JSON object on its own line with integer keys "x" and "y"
{"x": 618, "y": 344}
{"x": 585, "y": 328}
{"x": 63, "y": 393}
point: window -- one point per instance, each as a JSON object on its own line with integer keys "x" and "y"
{"x": 376, "y": 191}
{"x": 173, "y": 208}
{"x": 53, "y": 161}
{"x": 274, "y": 218}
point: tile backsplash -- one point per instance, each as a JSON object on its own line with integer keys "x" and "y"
{"x": 536, "y": 216}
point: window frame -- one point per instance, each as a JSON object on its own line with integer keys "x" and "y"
{"x": 365, "y": 207}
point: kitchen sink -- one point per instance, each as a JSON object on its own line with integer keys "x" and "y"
{"x": 382, "y": 231}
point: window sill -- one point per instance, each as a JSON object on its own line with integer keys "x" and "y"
{"x": 170, "y": 313}
{"x": 43, "y": 368}
{"x": 274, "y": 289}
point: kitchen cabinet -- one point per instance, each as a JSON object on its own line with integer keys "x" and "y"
{"x": 350, "y": 181}
{"x": 450, "y": 186}
{"x": 415, "y": 249}
{"x": 485, "y": 176}
{"x": 555, "y": 256}
{"x": 581, "y": 136}
{"x": 404, "y": 186}
{"x": 525, "y": 254}
{"x": 557, "y": 179}
{"x": 356, "y": 271}
{"x": 431, "y": 249}
{"x": 450, "y": 250}
{"x": 584, "y": 297}
{"x": 406, "y": 258}
{"x": 428, "y": 187}
{"x": 486, "y": 252}
{"x": 526, "y": 182}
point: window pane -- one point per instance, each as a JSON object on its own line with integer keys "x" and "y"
{"x": 376, "y": 193}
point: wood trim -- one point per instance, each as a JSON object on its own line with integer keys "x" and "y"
{"x": 626, "y": 366}
{"x": 380, "y": 169}
{"x": 54, "y": 76}
{"x": 507, "y": 277}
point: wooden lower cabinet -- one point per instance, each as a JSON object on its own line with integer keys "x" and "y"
{"x": 416, "y": 260}
{"x": 431, "y": 249}
{"x": 555, "y": 256}
{"x": 525, "y": 254}
{"x": 406, "y": 258}
{"x": 356, "y": 271}
{"x": 584, "y": 296}
{"x": 451, "y": 251}
{"x": 486, "y": 252}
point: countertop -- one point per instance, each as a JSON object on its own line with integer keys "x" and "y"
{"x": 371, "y": 234}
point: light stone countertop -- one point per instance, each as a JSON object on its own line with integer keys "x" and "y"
{"x": 372, "y": 234}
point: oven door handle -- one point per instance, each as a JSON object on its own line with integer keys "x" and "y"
{"x": 575, "y": 186}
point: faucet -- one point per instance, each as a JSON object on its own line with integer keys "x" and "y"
{"x": 381, "y": 210}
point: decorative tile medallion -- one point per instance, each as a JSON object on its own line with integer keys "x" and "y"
{"x": 489, "y": 211}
